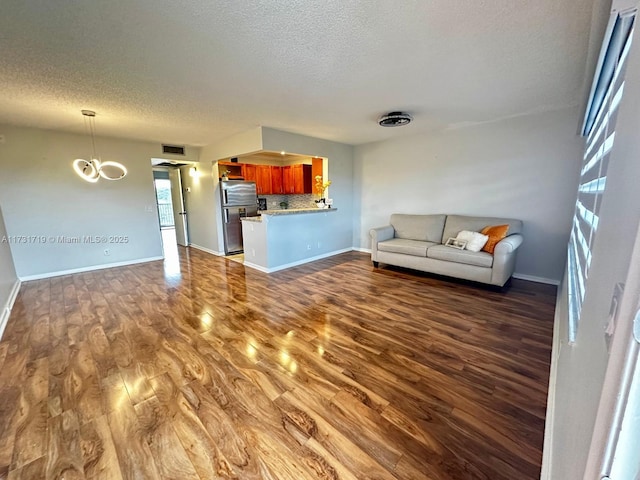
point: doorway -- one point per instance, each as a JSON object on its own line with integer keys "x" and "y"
{"x": 171, "y": 209}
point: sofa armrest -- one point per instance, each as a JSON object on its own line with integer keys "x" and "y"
{"x": 508, "y": 244}
{"x": 377, "y": 235}
{"x": 504, "y": 259}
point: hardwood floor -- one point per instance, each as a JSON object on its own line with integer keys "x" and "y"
{"x": 332, "y": 370}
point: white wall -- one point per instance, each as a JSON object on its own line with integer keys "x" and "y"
{"x": 280, "y": 241}
{"x": 239, "y": 144}
{"x": 581, "y": 367}
{"x": 524, "y": 168}
{"x": 42, "y": 196}
{"x": 9, "y": 283}
{"x": 202, "y": 208}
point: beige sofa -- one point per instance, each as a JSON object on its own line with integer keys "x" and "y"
{"x": 417, "y": 242}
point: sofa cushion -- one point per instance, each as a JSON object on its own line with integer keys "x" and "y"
{"x": 456, "y": 223}
{"x": 475, "y": 241}
{"x": 427, "y": 228}
{"x": 406, "y": 246}
{"x": 495, "y": 233}
{"x": 450, "y": 254}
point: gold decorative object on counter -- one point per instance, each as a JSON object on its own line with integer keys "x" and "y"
{"x": 321, "y": 188}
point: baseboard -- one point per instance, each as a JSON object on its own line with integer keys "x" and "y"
{"x": 40, "y": 276}
{"x": 257, "y": 267}
{"x": 6, "y": 310}
{"x": 207, "y": 250}
{"x": 363, "y": 250}
{"x": 296, "y": 263}
{"x": 533, "y": 278}
{"x": 560, "y": 318}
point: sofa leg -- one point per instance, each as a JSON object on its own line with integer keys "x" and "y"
{"x": 375, "y": 264}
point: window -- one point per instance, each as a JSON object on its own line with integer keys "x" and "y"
{"x": 599, "y": 130}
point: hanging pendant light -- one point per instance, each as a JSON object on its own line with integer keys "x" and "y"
{"x": 94, "y": 169}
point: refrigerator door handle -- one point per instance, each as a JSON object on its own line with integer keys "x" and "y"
{"x": 225, "y": 199}
{"x": 226, "y": 216}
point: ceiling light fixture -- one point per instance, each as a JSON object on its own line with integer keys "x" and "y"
{"x": 395, "y": 119}
{"x": 92, "y": 170}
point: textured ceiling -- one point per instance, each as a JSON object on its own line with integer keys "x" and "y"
{"x": 197, "y": 71}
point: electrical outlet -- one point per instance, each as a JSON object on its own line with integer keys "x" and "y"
{"x": 148, "y": 208}
{"x": 107, "y": 252}
{"x": 319, "y": 244}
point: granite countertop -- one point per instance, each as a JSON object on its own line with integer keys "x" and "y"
{"x": 293, "y": 211}
{"x": 288, "y": 211}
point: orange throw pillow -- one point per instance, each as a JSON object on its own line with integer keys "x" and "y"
{"x": 495, "y": 233}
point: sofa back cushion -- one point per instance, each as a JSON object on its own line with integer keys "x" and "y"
{"x": 456, "y": 223}
{"x": 427, "y": 228}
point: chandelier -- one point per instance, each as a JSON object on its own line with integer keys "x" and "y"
{"x": 94, "y": 169}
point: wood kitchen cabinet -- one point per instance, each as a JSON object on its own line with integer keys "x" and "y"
{"x": 234, "y": 169}
{"x": 287, "y": 179}
{"x": 296, "y": 179}
{"x": 276, "y": 180}
{"x": 302, "y": 181}
{"x": 263, "y": 179}
{"x": 249, "y": 172}
{"x": 272, "y": 179}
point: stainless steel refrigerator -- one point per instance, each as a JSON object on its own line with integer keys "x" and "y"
{"x": 238, "y": 199}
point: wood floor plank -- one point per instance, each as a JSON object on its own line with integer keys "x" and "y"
{"x": 134, "y": 455}
{"x": 75, "y": 381}
{"x": 100, "y": 461}
{"x": 337, "y": 442}
{"x": 30, "y": 441}
{"x": 9, "y": 415}
{"x": 203, "y": 452}
{"x": 331, "y": 370}
{"x": 171, "y": 459}
{"x": 64, "y": 456}
{"x": 219, "y": 425}
{"x": 30, "y": 471}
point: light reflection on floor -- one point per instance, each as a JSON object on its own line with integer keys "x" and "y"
{"x": 171, "y": 257}
{"x": 239, "y": 257}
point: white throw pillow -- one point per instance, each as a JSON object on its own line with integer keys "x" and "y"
{"x": 475, "y": 240}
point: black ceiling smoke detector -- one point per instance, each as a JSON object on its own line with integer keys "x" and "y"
{"x": 395, "y": 119}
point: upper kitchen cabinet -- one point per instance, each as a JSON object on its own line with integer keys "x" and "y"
{"x": 302, "y": 179}
{"x": 263, "y": 179}
{"x": 297, "y": 179}
{"x": 276, "y": 180}
{"x": 249, "y": 172}
{"x": 234, "y": 170}
{"x": 287, "y": 179}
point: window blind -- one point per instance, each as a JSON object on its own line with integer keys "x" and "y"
{"x": 599, "y": 130}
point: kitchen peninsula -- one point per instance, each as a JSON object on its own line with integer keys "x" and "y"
{"x": 279, "y": 239}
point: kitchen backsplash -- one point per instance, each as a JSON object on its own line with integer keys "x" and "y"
{"x": 294, "y": 201}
